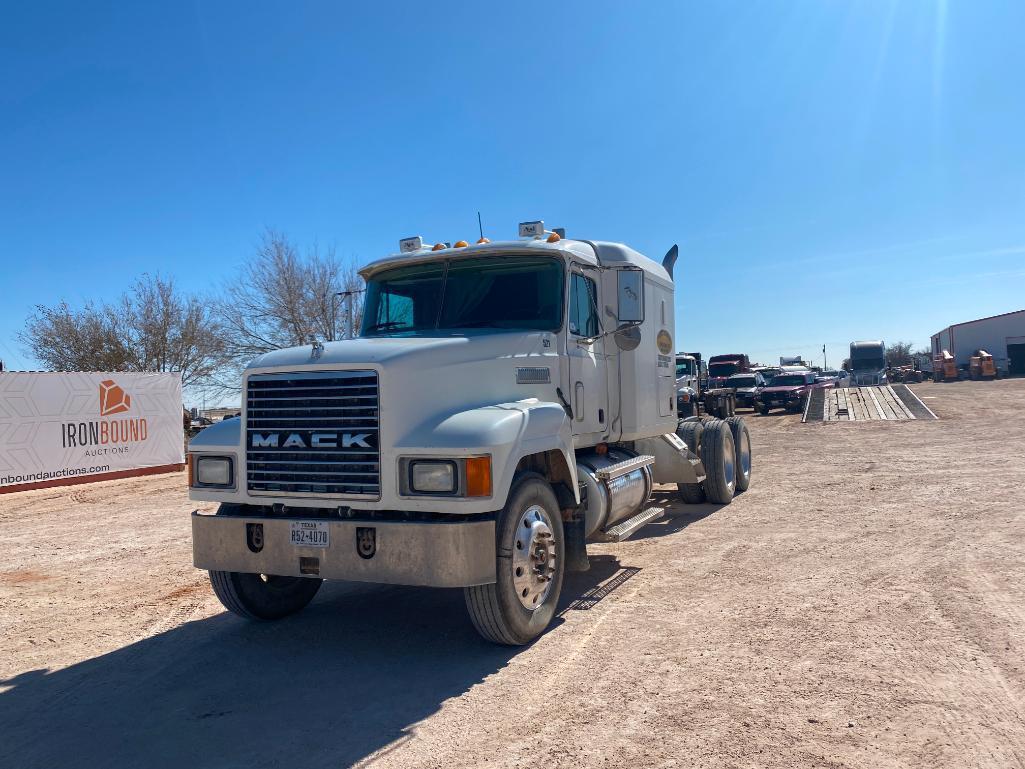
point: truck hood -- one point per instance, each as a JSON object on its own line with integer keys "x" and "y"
{"x": 353, "y": 352}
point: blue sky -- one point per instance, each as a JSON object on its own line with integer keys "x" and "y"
{"x": 831, "y": 170}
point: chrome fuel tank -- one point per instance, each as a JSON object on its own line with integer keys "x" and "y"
{"x": 609, "y": 502}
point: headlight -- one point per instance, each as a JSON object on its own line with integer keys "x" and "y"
{"x": 214, "y": 472}
{"x": 457, "y": 477}
{"x": 432, "y": 477}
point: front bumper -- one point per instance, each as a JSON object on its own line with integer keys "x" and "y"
{"x": 778, "y": 402}
{"x": 437, "y": 554}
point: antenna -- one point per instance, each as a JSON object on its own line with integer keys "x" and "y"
{"x": 479, "y": 225}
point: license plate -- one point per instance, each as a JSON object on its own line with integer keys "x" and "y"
{"x": 310, "y": 534}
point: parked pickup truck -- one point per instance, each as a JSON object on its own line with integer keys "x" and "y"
{"x": 746, "y": 387}
{"x": 788, "y": 391}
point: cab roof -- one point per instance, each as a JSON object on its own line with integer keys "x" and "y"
{"x": 595, "y": 252}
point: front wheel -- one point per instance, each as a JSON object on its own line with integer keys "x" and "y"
{"x": 263, "y": 596}
{"x": 529, "y": 565}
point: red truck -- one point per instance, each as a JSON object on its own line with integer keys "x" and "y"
{"x": 722, "y": 367}
{"x": 788, "y": 391}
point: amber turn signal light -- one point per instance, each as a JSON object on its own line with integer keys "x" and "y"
{"x": 478, "y": 477}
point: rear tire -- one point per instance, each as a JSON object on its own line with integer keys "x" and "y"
{"x": 263, "y": 596}
{"x": 530, "y": 562}
{"x": 690, "y": 432}
{"x": 691, "y": 493}
{"x": 718, "y": 455}
{"x": 742, "y": 448}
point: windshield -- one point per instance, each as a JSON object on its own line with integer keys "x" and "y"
{"x": 868, "y": 364}
{"x": 684, "y": 369}
{"x": 787, "y": 380}
{"x": 742, "y": 381}
{"x": 722, "y": 369}
{"x": 490, "y": 292}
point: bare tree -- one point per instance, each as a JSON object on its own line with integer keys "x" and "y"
{"x": 898, "y": 354}
{"x": 283, "y": 298}
{"x": 153, "y": 327}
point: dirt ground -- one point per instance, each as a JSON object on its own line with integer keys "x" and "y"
{"x": 863, "y": 605}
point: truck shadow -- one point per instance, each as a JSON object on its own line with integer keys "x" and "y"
{"x": 354, "y": 673}
{"x": 678, "y": 516}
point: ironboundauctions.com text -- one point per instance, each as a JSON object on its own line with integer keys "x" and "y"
{"x": 50, "y": 475}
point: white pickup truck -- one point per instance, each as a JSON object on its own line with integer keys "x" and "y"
{"x": 504, "y": 404}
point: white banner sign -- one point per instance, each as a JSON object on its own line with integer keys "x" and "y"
{"x": 61, "y": 427}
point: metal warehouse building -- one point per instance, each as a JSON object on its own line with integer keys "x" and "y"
{"x": 1002, "y": 336}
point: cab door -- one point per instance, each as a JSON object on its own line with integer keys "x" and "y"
{"x": 588, "y": 386}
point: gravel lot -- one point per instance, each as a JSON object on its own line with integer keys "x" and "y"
{"x": 862, "y": 605}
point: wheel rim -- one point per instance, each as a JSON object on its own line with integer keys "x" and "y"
{"x": 533, "y": 557}
{"x": 745, "y": 454}
{"x": 730, "y": 466}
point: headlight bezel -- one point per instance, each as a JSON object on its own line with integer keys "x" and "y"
{"x": 474, "y": 482}
{"x": 197, "y": 463}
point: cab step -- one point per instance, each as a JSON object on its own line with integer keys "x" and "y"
{"x": 629, "y": 527}
{"x": 620, "y": 469}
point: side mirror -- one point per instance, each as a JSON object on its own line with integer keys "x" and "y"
{"x": 631, "y": 296}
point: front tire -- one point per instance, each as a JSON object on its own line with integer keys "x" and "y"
{"x": 263, "y": 596}
{"x": 529, "y": 566}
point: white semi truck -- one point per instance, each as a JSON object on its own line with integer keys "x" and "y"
{"x": 504, "y": 404}
{"x": 868, "y": 363}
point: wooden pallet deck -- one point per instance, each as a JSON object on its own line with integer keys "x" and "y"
{"x": 860, "y": 404}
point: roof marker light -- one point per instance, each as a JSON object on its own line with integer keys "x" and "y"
{"x": 460, "y": 244}
{"x": 554, "y": 238}
{"x": 483, "y": 240}
{"x": 532, "y": 229}
{"x": 408, "y": 245}
{"x": 438, "y": 247}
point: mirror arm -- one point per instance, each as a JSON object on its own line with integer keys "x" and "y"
{"x": 586, "y": 341}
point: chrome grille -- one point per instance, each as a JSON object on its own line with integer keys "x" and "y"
{"x": 313, "y": 434}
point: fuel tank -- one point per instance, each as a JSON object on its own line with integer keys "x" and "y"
{"x": 609, "y": 502}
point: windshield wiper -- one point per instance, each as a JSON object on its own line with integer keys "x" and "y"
{"x": 386, "y": 324}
